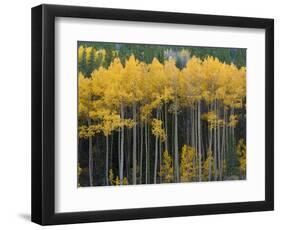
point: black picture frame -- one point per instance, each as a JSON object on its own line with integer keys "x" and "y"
{"x": 43, "y": 114}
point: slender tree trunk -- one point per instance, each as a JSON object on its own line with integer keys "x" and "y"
{"x": 146, "y": 152}
{"x": 119, "y": 150}
{"x": 192, "y": 128}
{"x": 199, "y": 140}
{"x": 210, "y": 147}
{"x": 232, "y": 139}
{"x": 205, "y": 141}
{"x": 210, "y": 152}
{"x": 196, "y": 139}
{"x": 106, "y": 160}
{"x": 223, "y": 142}
{"x": 173, "y": 147}
{"x": 156, "y": 152}
{"x": 233, "y": 136}
{"x": 195, "y": 132}
{"x": 227, "y": 149}
{"x": 219, "y": 143}
{"x": 91, "y": 160}
{"x": 166, "y": 126}
{"x": 111, "y": 149}
{"x": 176, "y": 145}
{"x": 187, "y": 128}
{"x": 135, "y": 145}
{"x": 160, "y": 158}
{"x": 122, "y": 147}
{"x": 155, "y": 160}
{"x": 128, "y": 154}
{"x": 141, "y": 151}
{"x": 215, "y": 146}
{"x": 160, "y": 148}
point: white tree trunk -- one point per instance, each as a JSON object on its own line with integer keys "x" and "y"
{"x": 210, "y": 148}
{"x": 166, "y": 127}
{"x": 192, "y": 128}
{"x": 106, "y": 160}
{"x": 156, "y": 153}
{"x": 199, "y": 140}
{"x": 141, "y": 151}
{"x": 122, "y": 147}
{"x": 223, "y": 143}
{"x": 215, "y": 146}
{"x": 119, "y": 148}
{"x": 219, "y": 144}
{"x": 135, "y": 145}
{"x": 176, "y": 146}
{"x": 91, "y": 160}
{"x": 146, "y": 153}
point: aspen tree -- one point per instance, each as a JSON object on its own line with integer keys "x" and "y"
{"x": 172, "y": 73}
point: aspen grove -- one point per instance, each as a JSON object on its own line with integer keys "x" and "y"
{"x": 160, "y": 121}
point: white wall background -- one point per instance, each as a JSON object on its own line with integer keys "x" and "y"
{"x": 15, "y": 113}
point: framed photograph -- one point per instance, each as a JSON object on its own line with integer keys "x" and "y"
{"x": 141, "y": 114}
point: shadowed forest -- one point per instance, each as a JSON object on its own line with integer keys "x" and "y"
{"x": 150, "y": 114}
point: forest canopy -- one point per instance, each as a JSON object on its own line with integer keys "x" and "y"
{"x": 152, "y": 114}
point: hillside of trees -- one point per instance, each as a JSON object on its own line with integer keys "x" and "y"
{"x": 152, "y": 114}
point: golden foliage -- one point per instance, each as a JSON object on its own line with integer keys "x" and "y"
{"x": 166, "y": 168}
{"x": 187, "y": 167}
{"x": 233, "y": 120}
{"x": 208, "y": 166}
{"x": 151, "y": 85}
{"x": 241, "y": 152}
{"x": 157, "y": 129}
{"x": 116, "y": 181}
